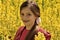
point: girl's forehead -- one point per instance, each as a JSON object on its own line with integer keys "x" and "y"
{"x": 26, "y": 8}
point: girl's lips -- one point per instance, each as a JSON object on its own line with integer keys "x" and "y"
{"x": 26, "y": 21}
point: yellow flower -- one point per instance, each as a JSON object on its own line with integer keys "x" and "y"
{"x": 40, "y": 36}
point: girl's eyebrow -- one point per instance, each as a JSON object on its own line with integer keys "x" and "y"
{"x": 21, "y": 12}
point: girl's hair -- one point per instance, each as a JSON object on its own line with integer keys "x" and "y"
{"x": 36, "y": 11}
{"x": 34, "y": 8}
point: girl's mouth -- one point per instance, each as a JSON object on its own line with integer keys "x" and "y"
{"x": 26, "y": 21}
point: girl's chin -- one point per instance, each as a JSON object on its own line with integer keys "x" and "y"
{"x": 26, "y": 24}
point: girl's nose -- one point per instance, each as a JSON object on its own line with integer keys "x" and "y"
{"x": 25, "y": 17}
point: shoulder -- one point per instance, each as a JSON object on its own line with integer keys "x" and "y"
{"x": 46, "y": 34}
{"x": 20, "y": 29}
{"x": 17, "y": 35}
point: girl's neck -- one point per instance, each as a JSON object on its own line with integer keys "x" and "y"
{"x": 28, "y": 28}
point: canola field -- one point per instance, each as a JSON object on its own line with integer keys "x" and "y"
{"x": 10, "y": 19}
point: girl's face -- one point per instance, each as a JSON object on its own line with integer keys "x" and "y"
{"x": 28, "y": 16}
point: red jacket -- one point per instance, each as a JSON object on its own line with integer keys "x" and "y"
{"x": 46, "y": 34}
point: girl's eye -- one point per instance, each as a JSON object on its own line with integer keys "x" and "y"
{"x": 22, "y": 14}
{"x": 29, "y": 14}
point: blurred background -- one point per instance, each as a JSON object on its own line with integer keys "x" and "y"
{"x": 10, "y": 19}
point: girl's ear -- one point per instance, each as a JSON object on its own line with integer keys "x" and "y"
{"x": 38, "y": 20}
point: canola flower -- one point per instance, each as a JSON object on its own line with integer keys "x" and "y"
{"x": 10, "y": 19}
{"x": 40, "y": 36}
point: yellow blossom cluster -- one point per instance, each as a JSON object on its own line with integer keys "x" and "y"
{"x": 10, "y": 19}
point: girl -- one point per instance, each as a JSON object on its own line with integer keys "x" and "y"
{"x": 30, "y": 14}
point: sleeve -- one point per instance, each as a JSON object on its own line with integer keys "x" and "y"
{"x": 17, "y": 35}
{"x": 47, "y": 36}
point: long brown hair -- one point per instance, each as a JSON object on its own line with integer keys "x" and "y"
{"x": 36, "y": 11}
